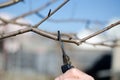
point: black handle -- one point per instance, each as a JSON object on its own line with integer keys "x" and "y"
{"x": 66, "y": 67}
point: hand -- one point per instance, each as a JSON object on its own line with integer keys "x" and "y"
{"x": 74, "y": 74}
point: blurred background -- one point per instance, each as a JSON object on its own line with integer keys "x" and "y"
{"x": 34, "y": 57}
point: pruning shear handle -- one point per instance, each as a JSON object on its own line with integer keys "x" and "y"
{"x": 66, "y": 59}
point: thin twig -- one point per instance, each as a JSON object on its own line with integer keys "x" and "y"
{"x": 100, "y": 31}
{"x": 9, "y": 21}
{"x": 71, "y": 36}
{"x": 69, "y": 20}
{"x": 35, "y": 11}
{"x": 8, "y": 3}
{"x": 77, "y": 20}
{"x": 44, "y": 19}
{"x": 101, "y": 44}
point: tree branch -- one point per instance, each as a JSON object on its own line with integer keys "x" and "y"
{"x": 101, "y": 44}
{"x": 38, "y": 31}
{"x": 44, "y": 19}
{"x": 35, "y": 11}
{"x": 100, "y": 31}
{"x": 69, "y": 20}
{"x": 9, "y": 21}
{"x": 11, "y": 2}
{"x": 14, "y": 33}
{"x": 48, "y": 35}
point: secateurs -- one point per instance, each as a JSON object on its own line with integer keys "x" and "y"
{"x": 66, "y": 59}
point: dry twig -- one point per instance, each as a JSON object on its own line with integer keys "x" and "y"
{"x": 101, "y": 44}
{"x": 9, "y": 21}
{"x": 50, "y": 14}
{"x": 100, "y": 31}
{"x": 35, "y": 11}
{"x": 69, "y": 20}
{"x": 11, "y": 2}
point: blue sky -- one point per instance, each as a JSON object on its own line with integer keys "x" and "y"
{"x": 101, "y": 10}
